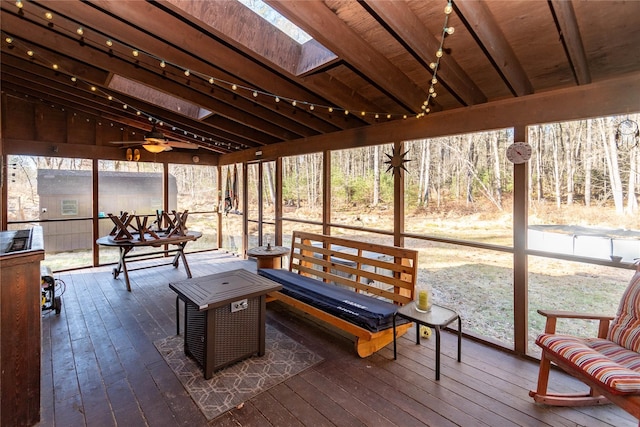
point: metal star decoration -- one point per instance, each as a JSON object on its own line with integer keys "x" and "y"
{"x": 396, "y": 160}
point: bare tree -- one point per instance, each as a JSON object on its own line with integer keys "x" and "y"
{"x": 611, "y": 157}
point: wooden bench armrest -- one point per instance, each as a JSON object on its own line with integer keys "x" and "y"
{"x": 553, "y": 315}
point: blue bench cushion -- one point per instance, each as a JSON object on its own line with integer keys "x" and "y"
{"x": 362, "y": 310}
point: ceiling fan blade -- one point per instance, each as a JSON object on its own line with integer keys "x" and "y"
{"x": 125, "y": 143}
{"x": 180, "y": 144}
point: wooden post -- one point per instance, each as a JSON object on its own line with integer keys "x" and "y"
{"x": 245, "y": 215}
{"x": 398, "y": 201}
{"x": 520, "y": 270}
{"x": 326, "y": 192}
{"x": 219, "y": 206}
{"x": 278, "y": 201}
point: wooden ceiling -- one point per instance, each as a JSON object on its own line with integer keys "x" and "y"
{"x": 369, "y": 57}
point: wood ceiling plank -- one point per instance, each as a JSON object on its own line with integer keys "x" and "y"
{"x": 15, "y": 81}
{"x": 261, "y": 131}
{"x": 401, "y": 19}
{"x": 480, "y": 20}
{"x": 275, "y": 52}
{"x": 222, "y": 101}
{"x": 322, "y": 24}
{"x": 201, "y": 43}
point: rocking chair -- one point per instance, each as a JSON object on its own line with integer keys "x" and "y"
{"x": 609, "y": 364}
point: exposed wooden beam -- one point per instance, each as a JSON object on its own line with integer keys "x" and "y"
{"x": 60, "y": 90}
{"x": 249, "y": 126}
{"x": 570, "y": 35}
{"x": 614, "y": 96}
{"x": 82, "y": 151}
{"x": 401, "y": 19}
{"x": 322, "y": 24}
{"x": 482, "y": 23}
{"x": 200, "y": 44}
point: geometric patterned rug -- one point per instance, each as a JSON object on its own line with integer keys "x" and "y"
{"x": 240, "y": 382}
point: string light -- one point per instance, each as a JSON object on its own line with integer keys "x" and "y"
{"x": 446, "y": 30}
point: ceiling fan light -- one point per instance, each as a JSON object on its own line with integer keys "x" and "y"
{"x": 153, "y": 148}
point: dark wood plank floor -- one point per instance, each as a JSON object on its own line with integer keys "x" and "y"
{"x": 100, "y": 368}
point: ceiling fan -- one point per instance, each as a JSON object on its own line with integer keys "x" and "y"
{"x": 156, "y": 142}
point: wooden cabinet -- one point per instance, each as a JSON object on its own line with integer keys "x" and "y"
{"x": 20, "y": 330}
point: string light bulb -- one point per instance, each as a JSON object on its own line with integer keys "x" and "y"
{"x": 48, "y": 15}
{"x": 74, "y": 79}
{"x": 277, "y": 99}
{"x": 448, "y": 8}
{"x": 30, "y": 53}
{"x": 135, "y": 53}
{"x": 19, "y": 4}
{"x": 187, "y": 73}
{"x": 331, "y": 109}
{"x": 294, "y": 103}
{"x": 54, "y": 66}
{"x": 255, "y": 94}
{"x": 80, "y": 31}
{"x": 439, "y": 53}
{"x": 109, "y": 42}
{"x": 211, "y": 81}
{"x": 163, "y": 64}
{"x": 449, "y": 30}
{"x": 234, "y": 87}
{"x": 8, "y": 40}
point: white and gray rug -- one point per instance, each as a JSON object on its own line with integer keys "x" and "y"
{"x": 240, "y": 382}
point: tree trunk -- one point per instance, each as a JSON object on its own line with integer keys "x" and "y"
{"x": 497, "y": 174}
{"x": 611, "y": 157}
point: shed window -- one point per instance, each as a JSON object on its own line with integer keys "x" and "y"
{"x": 69, "y": 207}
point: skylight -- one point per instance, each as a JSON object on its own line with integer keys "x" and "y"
{"x": 161, "y": 99}
{"x": 272, "y": 16}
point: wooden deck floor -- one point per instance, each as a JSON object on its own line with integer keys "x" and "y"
{"x": 100, "y": 368}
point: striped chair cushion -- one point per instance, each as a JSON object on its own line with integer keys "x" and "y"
{"x": 625, "y": 328}
{"x": 616, "y": 367}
